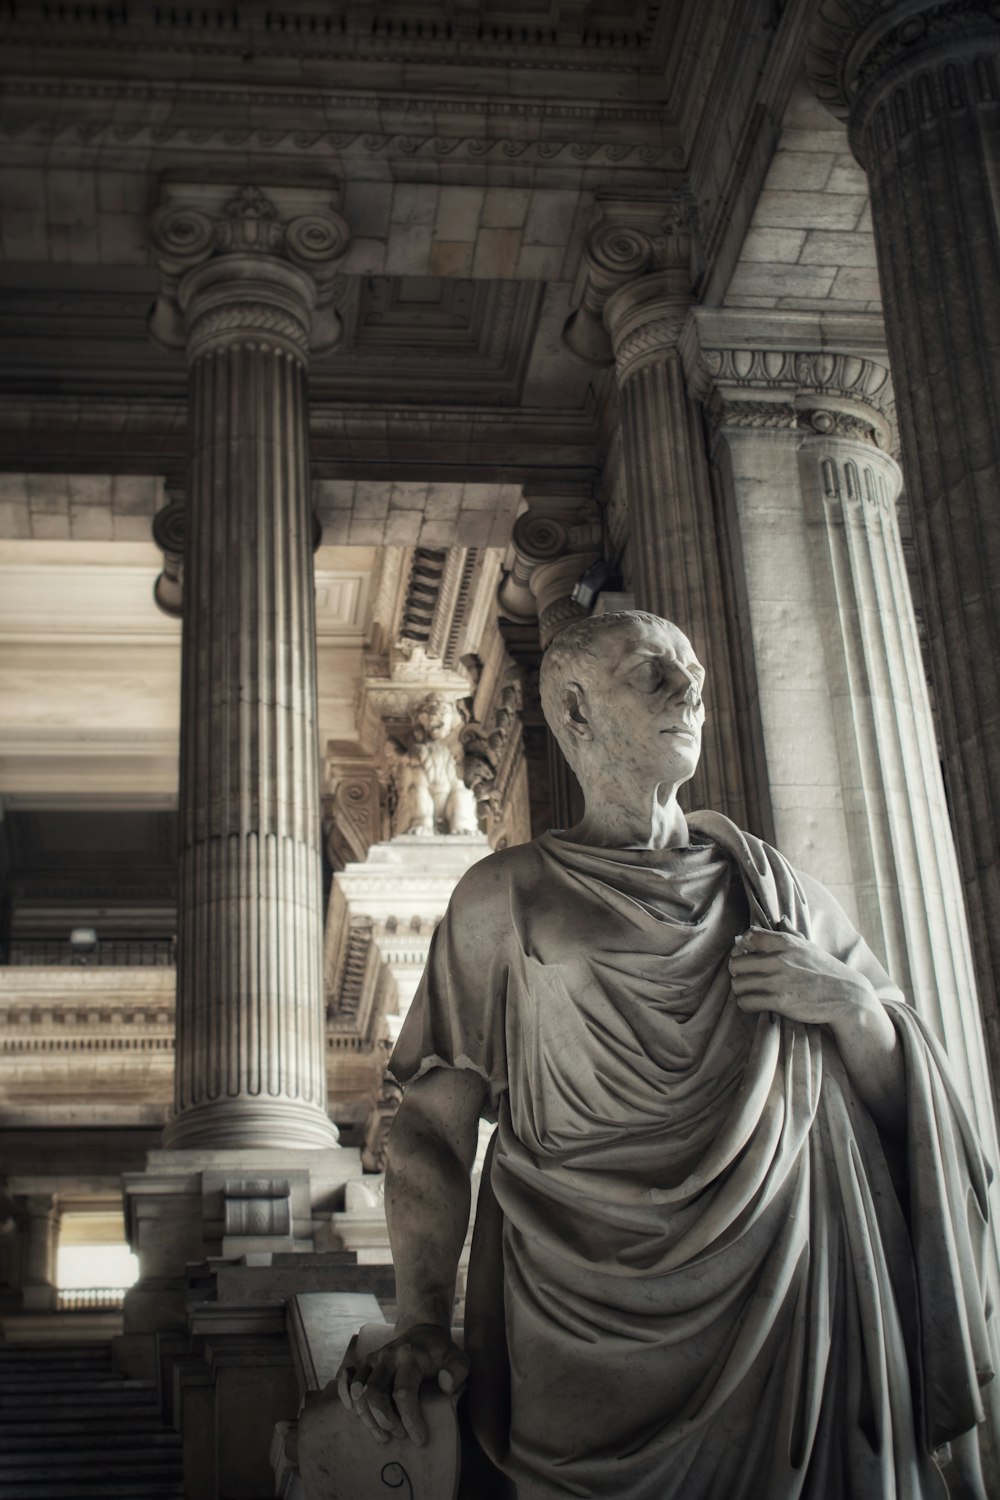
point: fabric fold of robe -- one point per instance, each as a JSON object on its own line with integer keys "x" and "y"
{"x": 699, "y": 1272}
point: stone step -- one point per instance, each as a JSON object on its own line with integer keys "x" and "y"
{"x": 11, "y": 1366}
{"x": 132, "y": 1390}
{"x": 104, "y": 1381}
{"x": 71, "y": 1429}
{"x": 76, "y": 1410}
{"x": 156, "y": 1439}
{"x": 103, "y": 1425}
{"x": 54, "y": 1353}
{"x": 98, "y": 1489}
{"x": 63, "y": 1466}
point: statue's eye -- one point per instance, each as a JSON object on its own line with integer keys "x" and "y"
{"x": 647, "y": 676}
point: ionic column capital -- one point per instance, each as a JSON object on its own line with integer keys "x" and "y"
{"x": 239, "y": 263}
{"x": 811, "y": 379}
{"x": 553, "y": 543}
{"x": 635, "y": 271}
{"x": 861, "y": 51}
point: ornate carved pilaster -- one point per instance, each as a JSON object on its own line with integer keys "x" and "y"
{"x": 246, "y": 279}
{"x": 636, "y": 281}
{"x": 800, "y": 440}
{"x": 919, "y": 85}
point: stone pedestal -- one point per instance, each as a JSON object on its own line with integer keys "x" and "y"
{"x": 919, "y": 84}
{"x": 195, "y": 1205}
{"x": 402, "y": 889}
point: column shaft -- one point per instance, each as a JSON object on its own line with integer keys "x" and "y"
{"x": 921, "y": 86}
{"x": 675, "y": 564}
{"x": 250, "y": 1037}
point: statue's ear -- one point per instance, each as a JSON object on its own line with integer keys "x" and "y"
{"x": 574, "y": 705}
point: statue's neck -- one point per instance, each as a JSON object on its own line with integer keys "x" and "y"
{"x": 611, "y": 821}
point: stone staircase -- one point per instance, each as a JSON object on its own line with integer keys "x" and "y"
{"x": 71, "y": 1429}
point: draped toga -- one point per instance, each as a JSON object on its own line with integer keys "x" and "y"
{"x": 699, "y": 1270}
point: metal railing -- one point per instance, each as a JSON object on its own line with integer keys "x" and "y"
{"x": 119, "y": 953}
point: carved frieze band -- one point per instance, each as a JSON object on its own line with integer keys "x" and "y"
{"x": 648, "y": 341}
{"x": 743, "y": 387}
{"x": 243, "y": 321}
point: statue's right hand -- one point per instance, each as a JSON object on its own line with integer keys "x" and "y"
{"x": 384, "y": 1390}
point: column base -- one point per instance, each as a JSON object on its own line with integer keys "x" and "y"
{"x": 251, "y": 1124}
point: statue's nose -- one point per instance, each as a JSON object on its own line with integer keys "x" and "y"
{"x": 684, "y": 685}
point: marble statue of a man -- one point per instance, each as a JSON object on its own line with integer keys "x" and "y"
{"x": 729, "y": 1243}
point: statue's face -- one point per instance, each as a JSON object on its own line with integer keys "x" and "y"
{"x": 642, "y": 700}
{"x": 435, "y": 718}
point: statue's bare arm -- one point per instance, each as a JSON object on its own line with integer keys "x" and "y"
{"x": 432, "y": 1147}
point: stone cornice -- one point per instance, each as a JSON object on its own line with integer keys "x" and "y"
{"x": 404, "y": 127}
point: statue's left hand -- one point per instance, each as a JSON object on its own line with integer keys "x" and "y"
{"x": 782, "y": 972}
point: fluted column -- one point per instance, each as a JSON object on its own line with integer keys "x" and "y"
{"x": 801, "y": 439}
{"x": 250, "y": 1066}
{"x": 631, "y": 303}
{"x": 919, "y": 84}
{"x": 553, "y": 544}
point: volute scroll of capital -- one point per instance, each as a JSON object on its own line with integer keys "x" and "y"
{"x": 628, "y": 241}
{"x": 254, "y": 233}
{"x": 539, "y": 537}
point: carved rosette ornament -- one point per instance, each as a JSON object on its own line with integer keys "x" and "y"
{"x": 919, "y": 86}
{"x": 247, "y": 277}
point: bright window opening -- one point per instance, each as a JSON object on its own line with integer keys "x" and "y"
{"x": 105, "y": 1266}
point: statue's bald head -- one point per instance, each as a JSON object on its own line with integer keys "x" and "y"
{"x": 572, "y": 658}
